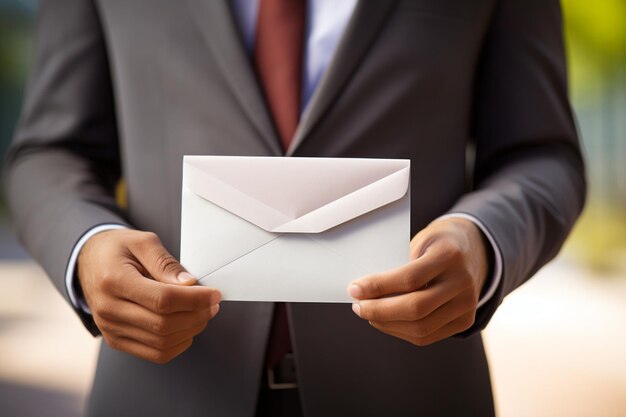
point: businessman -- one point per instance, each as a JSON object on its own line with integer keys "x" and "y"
{"x": 474, "y": 93}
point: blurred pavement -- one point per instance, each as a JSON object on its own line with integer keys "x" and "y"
{"x": 47, "y": 359}
{"x": 557, "y": 347}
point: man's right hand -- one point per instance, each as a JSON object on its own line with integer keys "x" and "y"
{"x": 142, "y": 300}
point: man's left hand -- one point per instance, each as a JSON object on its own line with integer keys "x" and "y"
{"x": 436, "y": 294}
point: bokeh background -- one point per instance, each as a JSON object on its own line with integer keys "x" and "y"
{"x": 557, "y": 346}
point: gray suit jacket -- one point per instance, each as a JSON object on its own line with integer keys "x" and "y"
{"x": 127, "y": 87}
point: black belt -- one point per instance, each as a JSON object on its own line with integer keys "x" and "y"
{"x": 283, "y": 375}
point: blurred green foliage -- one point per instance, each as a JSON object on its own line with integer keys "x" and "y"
{"x": 15, "y": 41}
{"x": 599, "y": 240}
{"x": 595, "y": 34}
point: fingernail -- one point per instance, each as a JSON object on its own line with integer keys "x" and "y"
{"x": 216, "y": 298}
{"x": 355, "y": 291}
{"x": 184, "y": 276}
{"x": 357, "y": 309}
{"x": 214, "y": 310}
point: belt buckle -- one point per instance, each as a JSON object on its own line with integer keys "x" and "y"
{"x": 283, "y": 376}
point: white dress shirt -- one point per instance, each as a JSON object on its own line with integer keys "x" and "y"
{"x": 326, "y": 21}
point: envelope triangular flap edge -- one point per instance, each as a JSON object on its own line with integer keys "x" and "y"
{"x": 387, "y": 185}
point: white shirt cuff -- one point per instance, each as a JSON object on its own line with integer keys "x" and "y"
{"x": 70, "y": 274}
{"x": 497, "y": 267}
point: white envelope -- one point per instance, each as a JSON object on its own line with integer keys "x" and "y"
{"x": 292, "y": 229}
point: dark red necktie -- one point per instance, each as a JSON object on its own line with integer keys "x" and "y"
{"x": 278, "y": 60}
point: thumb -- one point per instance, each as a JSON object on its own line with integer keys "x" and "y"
{"x": 160, "y": 264}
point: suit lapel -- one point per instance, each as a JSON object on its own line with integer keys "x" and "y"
{"x": 361, "y": 31}
{"x": 216, "y": 23}
{"x": 218, "y": 27}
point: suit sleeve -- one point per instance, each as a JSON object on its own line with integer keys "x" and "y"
{"x": 529, "y": 185}
{"x": 63, "y": 165}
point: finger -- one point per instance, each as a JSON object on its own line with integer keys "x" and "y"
{"x": 450, "y": 329}
{"x": 159, "y": 297}
{"x": 391, "y": 332}
{"x": 404, "y": 279}
{"x": 450, "y": 311}
{"x": 146, "y": 352}
{"x": 159, "y": 263}
{"x": 122, "y": 311}
{"x": 156, "y": 341}
{"x": 408, "y": 307}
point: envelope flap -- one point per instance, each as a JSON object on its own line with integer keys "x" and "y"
{"x": 297, "y": 195}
